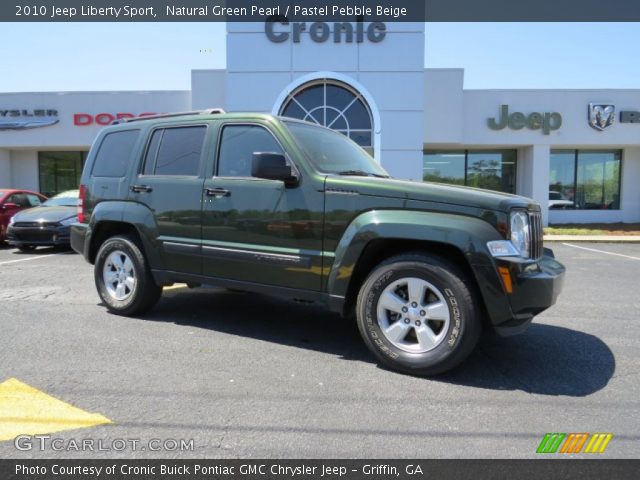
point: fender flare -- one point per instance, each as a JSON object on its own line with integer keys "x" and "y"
{"x": 468, "y": 234}
{"x": 138, "y": 216}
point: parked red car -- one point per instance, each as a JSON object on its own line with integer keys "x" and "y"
{"x": 11, "y": 202}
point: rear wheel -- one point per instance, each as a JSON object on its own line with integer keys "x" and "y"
{"x": 123, "y": 277}
{"x": 417, "y": 315}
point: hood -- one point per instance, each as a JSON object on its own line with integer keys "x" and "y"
{"x": 430, "y": 192}
{"x": 46, "y": 214}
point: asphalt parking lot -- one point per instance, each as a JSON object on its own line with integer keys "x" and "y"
{"x": 248, "y": 376}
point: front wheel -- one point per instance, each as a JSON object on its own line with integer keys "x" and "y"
{"x": 417, "y": 315}
{"x": 123, "y": 277}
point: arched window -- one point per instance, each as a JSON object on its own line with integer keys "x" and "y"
{"x": 335, "y": 105}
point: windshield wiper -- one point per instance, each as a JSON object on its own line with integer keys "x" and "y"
{"x": 362, "y": 173}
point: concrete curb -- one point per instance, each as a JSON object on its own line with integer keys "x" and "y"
{"x": 593, "y": 238}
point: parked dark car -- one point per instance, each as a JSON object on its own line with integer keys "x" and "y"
{"x": 44, "y": 225}
{"x": 11, "y": 202}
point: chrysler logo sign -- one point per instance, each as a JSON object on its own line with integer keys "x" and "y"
{"x": 21, "y": 119}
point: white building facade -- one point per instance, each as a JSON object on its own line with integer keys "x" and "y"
{"x": 576, "y": 151}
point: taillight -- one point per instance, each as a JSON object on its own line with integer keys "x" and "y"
{"x": 81, "y": 195}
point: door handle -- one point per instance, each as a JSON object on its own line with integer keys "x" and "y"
{"x": 217, "y": 192}
{"x": 141, "y": 188}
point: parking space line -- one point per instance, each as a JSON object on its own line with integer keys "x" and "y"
{"x": 30, "y": 258}
{"x": 601, "y": 251}
{"x": 28, "y": 411}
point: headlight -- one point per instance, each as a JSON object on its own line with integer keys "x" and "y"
{"x": 12, "y": 220}
{"x": 519, "y": 230}
{"x": 519, "y": 242}
{"x": 69, "y": 221}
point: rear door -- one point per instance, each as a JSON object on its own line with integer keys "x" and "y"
{"x": 170, "y": 182}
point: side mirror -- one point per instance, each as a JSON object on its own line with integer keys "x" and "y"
{"x": 10, "y": 206}
{"x": 272, "y": 166}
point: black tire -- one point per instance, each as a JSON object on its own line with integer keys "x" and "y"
{"x": 26, "y": 248}
{"x": 456, "y": 341}
{"x": 144, "y": 294}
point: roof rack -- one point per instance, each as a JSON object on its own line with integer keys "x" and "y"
{"x": 209, "y": 111}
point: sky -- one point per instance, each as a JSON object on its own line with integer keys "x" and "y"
{"x": 160, "y": 56}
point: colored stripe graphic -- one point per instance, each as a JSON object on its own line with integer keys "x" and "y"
{"x": 550, "y": 443}
{"x": 598, "y": 443}
{"x": 573, "y": 442}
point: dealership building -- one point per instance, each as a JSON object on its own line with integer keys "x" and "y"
{"x": 577, "y": 152}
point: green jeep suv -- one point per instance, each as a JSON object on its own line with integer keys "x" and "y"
{"x": 278, "y": 206}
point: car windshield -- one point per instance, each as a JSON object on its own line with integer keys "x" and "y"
{"x": 332, "y": 152}
{"x": 64, "y": 199}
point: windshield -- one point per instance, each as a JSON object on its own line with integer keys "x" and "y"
{"x": 64, "y": 199}
{"x": 332, "y": 152}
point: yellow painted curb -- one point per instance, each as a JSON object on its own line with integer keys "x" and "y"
{"x": 25, "y": 410}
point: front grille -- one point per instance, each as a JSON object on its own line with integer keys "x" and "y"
{"x": 33, "y": 236}
{"x": 535, "y": 232}
{"x": 35, "y": 224}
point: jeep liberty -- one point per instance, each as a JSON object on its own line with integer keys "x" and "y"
{"x": 279, "y": 206}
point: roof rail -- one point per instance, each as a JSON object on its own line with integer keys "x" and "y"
{"x": 209, "y": 111}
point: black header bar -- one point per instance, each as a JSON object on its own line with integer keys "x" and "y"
{"x": 320, "y": 10}
{"x": 177, "y": 469}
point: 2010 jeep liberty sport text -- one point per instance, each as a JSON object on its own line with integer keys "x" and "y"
{"x": 279, "y": 206}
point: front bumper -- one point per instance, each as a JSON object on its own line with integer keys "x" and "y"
{"x": 535, "y": 287}
{"x": 45, "y": 235}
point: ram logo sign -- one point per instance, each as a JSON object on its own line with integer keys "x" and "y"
{"x": 574, "y": 443}
{"x": 601, "y": 115}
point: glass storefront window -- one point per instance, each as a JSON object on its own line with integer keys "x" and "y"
{"x": 562, "y": 176}
{"x": 444, "y": 167}
{"x": 490, "y": 169}
{"x": 59, "y": 171}
{"x": 585, "y": 179}
{"x": 494, "y": 170}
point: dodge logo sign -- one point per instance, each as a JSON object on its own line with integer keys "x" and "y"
{"x": 601, "y": 115}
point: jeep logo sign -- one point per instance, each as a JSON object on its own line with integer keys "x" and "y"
{"x": 320, "y": 32}
{"x": 547, "y": 122}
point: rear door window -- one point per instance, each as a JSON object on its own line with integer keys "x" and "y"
{"x": 175, "y": 151}
{"x": 114, "y": 154}
{"x": 34, "y": 200}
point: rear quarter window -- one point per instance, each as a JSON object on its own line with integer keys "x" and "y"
{"x": 114, "y": 154}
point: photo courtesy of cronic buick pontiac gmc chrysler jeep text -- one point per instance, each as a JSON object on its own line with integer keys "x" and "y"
{"x": 280, "y": 206}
